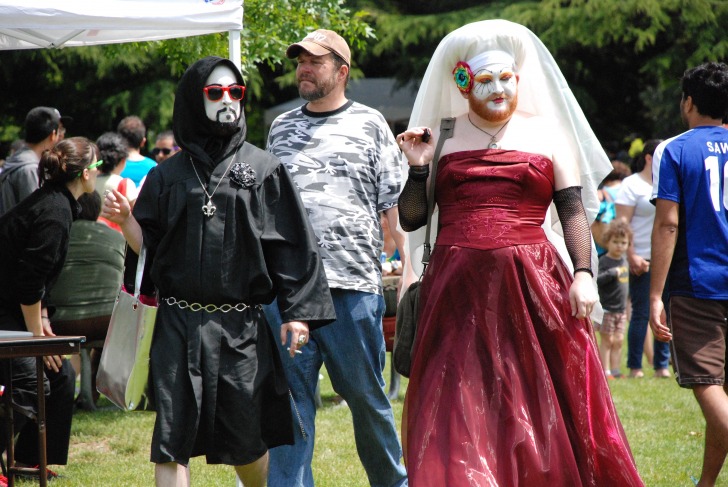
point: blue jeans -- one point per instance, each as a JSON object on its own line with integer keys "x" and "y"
{"x": 353, "y": 350}
{"x": 639, "y": 291}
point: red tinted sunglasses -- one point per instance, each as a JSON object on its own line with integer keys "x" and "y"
{"x": 215, "y": 93}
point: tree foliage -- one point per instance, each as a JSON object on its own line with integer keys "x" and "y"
{"x": 100, "y": 85}
{"x": 623, "y": 58}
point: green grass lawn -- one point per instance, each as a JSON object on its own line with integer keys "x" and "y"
{"x": 662, "y": 421}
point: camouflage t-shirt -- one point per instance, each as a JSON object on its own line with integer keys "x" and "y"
{"x": 347, "y": 167}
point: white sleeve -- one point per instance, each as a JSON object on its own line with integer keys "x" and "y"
{"x": 626, "y": 195}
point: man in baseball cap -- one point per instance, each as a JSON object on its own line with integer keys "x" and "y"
{"x": 43, "y": 127}
{"x": 320, "y": 42}
{"x": 355, "y": 144}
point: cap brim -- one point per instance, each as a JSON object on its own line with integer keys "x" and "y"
{"x": 311, "y": 47}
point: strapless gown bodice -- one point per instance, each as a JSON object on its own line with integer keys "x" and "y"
{"x": 490, "y": 199}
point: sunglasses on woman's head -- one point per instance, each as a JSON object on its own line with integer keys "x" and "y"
{"x": 215, "y": 93}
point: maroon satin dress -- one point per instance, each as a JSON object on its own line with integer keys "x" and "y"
{"x": 506, "y": 387}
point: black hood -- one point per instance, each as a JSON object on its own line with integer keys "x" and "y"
{"x": 193, "y": 131}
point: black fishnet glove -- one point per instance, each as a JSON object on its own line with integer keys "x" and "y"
{"x": 575, "y": 226}
{"x": 413, "y": 202}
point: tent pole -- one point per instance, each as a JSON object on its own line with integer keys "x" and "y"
{"x": 234, "y": 47}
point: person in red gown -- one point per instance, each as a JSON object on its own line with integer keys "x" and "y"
{"x": 506, "y": 387}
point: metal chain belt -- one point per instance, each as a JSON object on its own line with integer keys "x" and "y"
{"x": 298, "y": 415}
{"x": 209, "y": 308}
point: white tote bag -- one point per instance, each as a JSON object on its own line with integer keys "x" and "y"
{"x": 124, "y": 370}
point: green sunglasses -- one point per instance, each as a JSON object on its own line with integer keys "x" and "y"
{"x": 92, "y": 166}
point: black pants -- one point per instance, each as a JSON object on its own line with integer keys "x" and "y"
{"x": 60, "y": 388}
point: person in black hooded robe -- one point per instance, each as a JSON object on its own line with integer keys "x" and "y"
{"x": 224, "y": 226}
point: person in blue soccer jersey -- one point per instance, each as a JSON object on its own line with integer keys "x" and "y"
{"x": 690, "y": 252}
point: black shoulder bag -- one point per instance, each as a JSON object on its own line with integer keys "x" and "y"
{"x": 408, "y": 307}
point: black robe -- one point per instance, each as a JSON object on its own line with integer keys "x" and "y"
{"x": 218, "y": 385}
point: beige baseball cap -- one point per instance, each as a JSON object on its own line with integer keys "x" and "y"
{"x": 320, "y": 42}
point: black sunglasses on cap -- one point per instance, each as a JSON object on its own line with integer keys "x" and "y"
{"x": 215, "y": 93}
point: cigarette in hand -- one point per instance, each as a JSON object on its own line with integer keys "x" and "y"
{"x": 297, "y": 351}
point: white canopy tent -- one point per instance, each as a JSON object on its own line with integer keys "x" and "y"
{"x": 33, "y": 24}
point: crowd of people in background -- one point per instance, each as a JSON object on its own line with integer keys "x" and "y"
{"x": 62, "y": 263}
{"x": 34, "y": 237}
{"x": 505, "y": 358}
{"x": 625, "y": 197}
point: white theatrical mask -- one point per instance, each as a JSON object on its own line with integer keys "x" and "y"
{"x": 496, "y": 86}
{"x": 225, "y": 110}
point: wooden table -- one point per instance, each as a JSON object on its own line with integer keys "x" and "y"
{"x": 23, "y": 344}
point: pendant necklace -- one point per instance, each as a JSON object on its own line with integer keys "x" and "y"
{"x": 208, "y": 209}
{"x": 492, "y": 144}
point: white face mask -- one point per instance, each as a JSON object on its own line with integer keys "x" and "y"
{"x": 225, "y": 109}
{"x": 495, "y": 92}
{"x": 494, "y": 80}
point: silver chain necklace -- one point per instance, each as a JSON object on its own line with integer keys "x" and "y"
{"x": 208, "y": 209}
{"x": 492, "y": 144}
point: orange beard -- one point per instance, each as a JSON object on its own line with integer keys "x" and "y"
{"x": 480, "y": 109}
